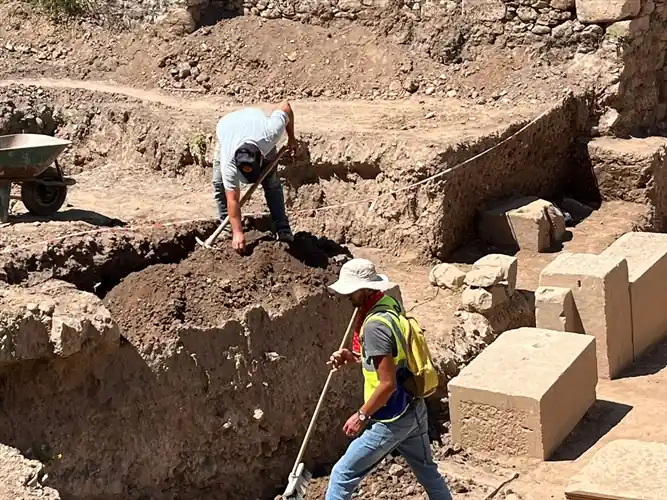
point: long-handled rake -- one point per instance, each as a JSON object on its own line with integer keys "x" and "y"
{"x": 246, "y": 196}
{"x": 300, "y": 477}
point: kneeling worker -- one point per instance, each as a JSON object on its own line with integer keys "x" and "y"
{"x": 390, "y": 418}
{"x": 247, "y": 141}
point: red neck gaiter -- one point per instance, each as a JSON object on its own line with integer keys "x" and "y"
{"x": 365, "y": 309}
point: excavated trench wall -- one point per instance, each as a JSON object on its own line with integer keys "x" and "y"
{"x": 434, "y": 218}
{"x": 430, "y": 220}
{"x": 194, "y": 379}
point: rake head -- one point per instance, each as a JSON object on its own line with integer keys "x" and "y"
{"x": 298, "y": 484}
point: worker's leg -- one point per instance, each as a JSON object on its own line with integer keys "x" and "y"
{"x": 219, "y": 188}
{"x": 416, "y": 450}
{"x": 275, "y": 199}
{"x": 363, "y": 454}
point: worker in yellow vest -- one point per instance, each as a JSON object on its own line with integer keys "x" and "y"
{"x": 390, "y": 418}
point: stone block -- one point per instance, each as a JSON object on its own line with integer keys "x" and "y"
{"x": 623, "y": 470}
{"x": 629, "y": 29}
{"x": 507, "y": 263}
{"x": 606, "y": 11}
{"x": 524, "y": 393}
{"x": 601, "y": 293}
{"x": 447, "y": 276}
{"x": 628, "y": 169}
{"x": 484, "y": 276}
{"x": 646, "y": 254}
{"x": 524, "y": 223}
{"x": 554, "y": 310}
{"x": 482, "y": 300}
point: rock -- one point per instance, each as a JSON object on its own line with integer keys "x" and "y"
{"x": 395, "y": 86}
{"x": 508, "y": 265}
{"x": 606, "y": 11}
{"x": 184, "y": 70}
{"x": 607, "y": 122}
{"x": 447, "y": 276}
{"x": 557, "y": 221}
{"x": 396, "y": 470}
{"x": 526, "y": 14}
{"x": 482, "y": 300}
{"x": 178, "y": 22}
{"x": 411, "y": 86}
{"x": 538, "y": 29}
{"x": 484, "y": 276}
{"x": 59, "y": 324}
{"x": 562, "y": 4}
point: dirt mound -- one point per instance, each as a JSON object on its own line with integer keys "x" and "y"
{"x": 212, "y": 287}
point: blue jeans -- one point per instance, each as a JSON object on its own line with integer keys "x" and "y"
{"x": 273, "y": 193}
{"x": 408, "y": 435}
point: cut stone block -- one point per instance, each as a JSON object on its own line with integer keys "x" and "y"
{"x": 554, "y": 310}
{"x": 624, "y": 168}
{"x": 606, "y": 11}
{"x": 601, "y": 293}
{"x": 484, "y": 276}
{"x": 527, "y": 223}
{"x": 524, "y": 393}
{"x": 484, "y": 299}
{"x": 507, "y": 263}
{"x": 646, "y": 254}
{"x": 447, "y": 276}
{"x": 623, "y": 470}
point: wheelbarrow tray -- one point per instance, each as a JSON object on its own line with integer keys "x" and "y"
{"x": 25, "y": 156}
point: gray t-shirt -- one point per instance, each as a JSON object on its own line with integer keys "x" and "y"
{"x": 378, "y": 339}
{"x": 246, "y": 126}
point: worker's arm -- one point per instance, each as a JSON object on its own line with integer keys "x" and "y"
{"x": 289, "y": 128}
{"x": 234, "y": 210}
{"x": 343, "y": 357}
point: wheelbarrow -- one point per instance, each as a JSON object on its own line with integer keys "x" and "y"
{"x": 27, "y": 159}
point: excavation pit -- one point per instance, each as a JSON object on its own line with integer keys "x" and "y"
{"x": 204, "y": 390}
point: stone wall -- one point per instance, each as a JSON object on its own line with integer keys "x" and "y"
{"x": 617, "y": 46}
{"x": 635, "y": 91}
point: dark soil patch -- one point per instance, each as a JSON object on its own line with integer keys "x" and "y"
{"x": 211, "y": 287}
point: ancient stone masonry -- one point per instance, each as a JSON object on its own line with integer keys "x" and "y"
{"x": 623, "y": 469}
{"x": 633, "y": 81}
{"x": 525, "y": 393}
{"x": 471, "y": 23}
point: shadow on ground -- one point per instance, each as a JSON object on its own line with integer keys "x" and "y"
{"x": 652, "y": 362}
{"x": 598, "y": 421}
{"x": 71, "y": 215}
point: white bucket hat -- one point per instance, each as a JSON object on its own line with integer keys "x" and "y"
{"x": 357, "y": 274}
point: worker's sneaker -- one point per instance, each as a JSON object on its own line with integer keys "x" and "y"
{"x": 286, "y": 236}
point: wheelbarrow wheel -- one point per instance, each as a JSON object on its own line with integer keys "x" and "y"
{"x": 43, "y": 200}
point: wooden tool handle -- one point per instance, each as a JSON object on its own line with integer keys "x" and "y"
{"x": 311, "y": 426}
